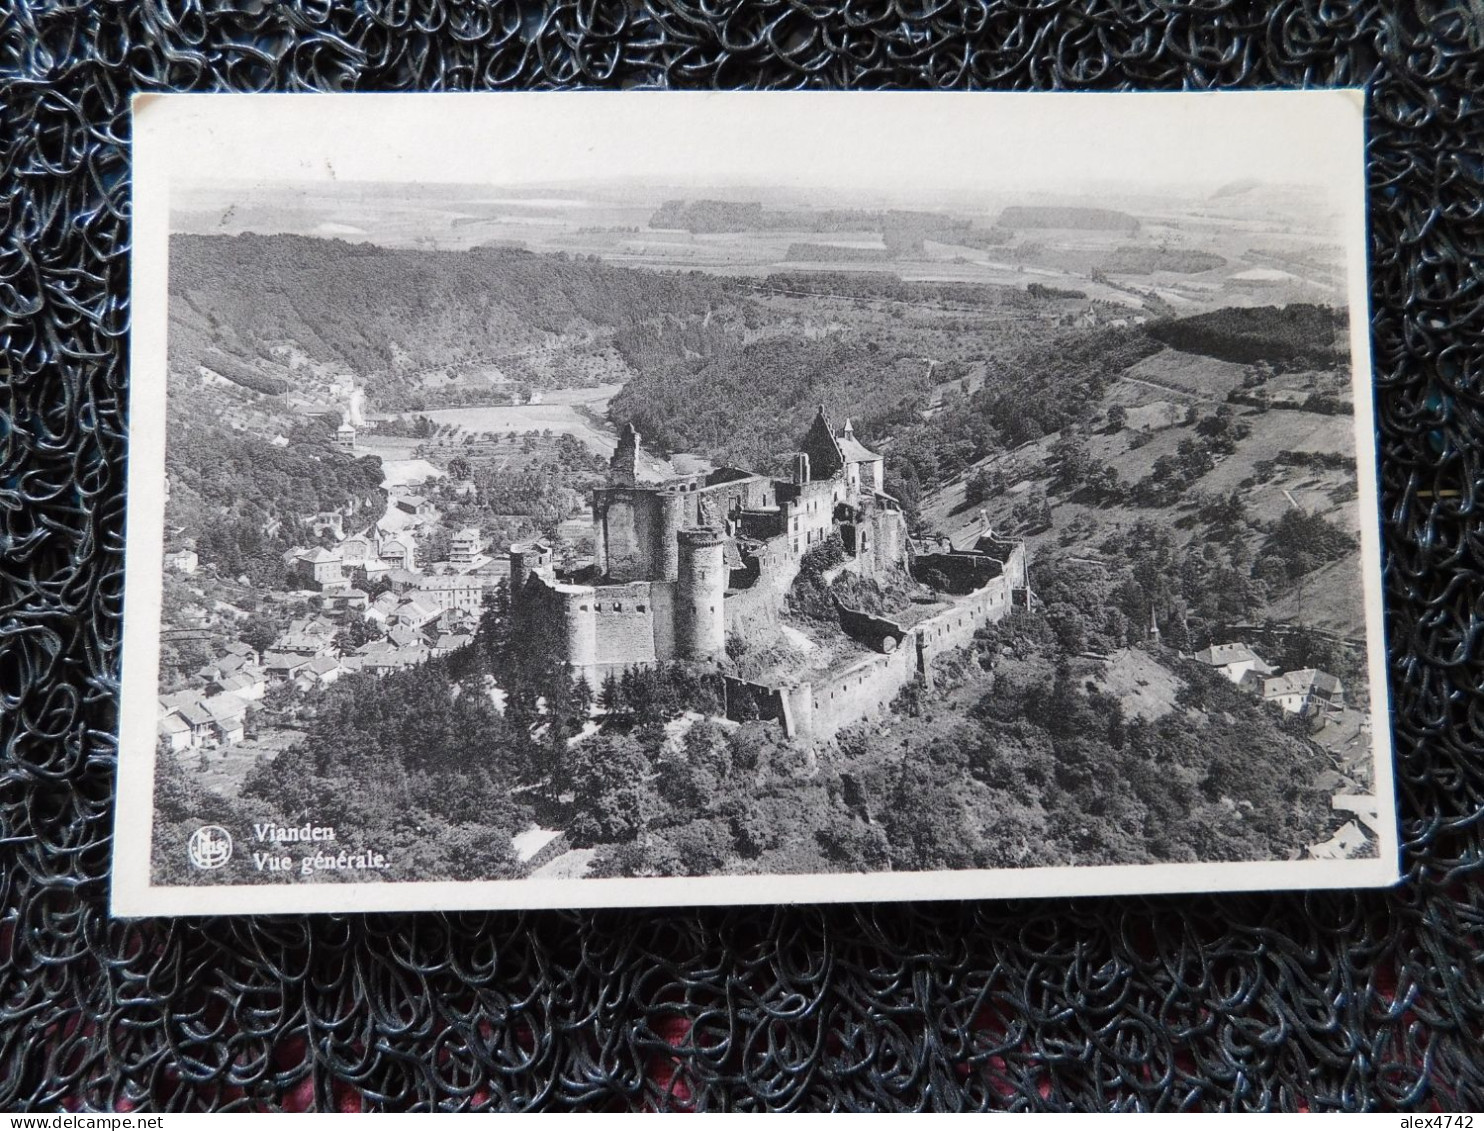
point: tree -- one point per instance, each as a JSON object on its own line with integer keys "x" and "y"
{"x": 458, "y": 468}
{"x": 984, "y": 483}
{"x": 610, "y": 698}
{"x": 1073, "y": 458}
{"x": 1117, "y": 418}
{"x": 259, "y": 632}
{"x": 581, "y": 701}
{"x": 607, "y": 776}
{"x": 353, "y": 635}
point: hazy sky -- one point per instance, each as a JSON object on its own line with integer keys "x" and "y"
{"x": 855, "y": 143}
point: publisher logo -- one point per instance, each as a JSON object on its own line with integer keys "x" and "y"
{"x": 210, "y": 846}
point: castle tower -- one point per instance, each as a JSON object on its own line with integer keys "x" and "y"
{"x": 700, "y": 621}
{"x": 526, "y": 558}
{"x": 578, "y": 602}
{"x": 623, "y": 467}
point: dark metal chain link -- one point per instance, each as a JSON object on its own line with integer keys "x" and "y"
{"x": 1318, "y": 1001}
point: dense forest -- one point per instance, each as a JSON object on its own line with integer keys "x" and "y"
{"x": 1298, "y": 336}
{"x": 374, "y": 309}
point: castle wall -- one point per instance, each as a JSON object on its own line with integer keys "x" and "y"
{"x": 875, "y": 632}
{"x": 668, "y": 521}
{"x": 955, "y": 627}
{"x": 750, "y": 493}
{"x": 623, "y": 617}
{"x": 865, "y": 690}
{"x": 888, "y": 536}
{"x": 662, "y": 600}
{"x": 625, "y": 520}
{"x": 760, "y": 524}
{"x": 761, "y": 603}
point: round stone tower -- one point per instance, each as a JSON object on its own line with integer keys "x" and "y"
{"x": 700, "y": 620}
{"x": 666, "y": 550}
{"x": 579, "y": 603}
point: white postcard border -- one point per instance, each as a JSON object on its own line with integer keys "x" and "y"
{"x": 133, "y": 894}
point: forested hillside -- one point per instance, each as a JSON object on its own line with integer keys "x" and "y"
{"x": 374, "y": 310}
{"x": 244, "y": 501}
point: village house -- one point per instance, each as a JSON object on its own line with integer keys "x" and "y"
{"x": 347, "y": 600}
{"x": 401, "y": 636}
{"x": 228, "y": 717}
{"x": 318, "y": 567}
{"x": 465, "y": 547}
{"x": 394, "y": 661}
{"x": 176, "y": 733}
{"x": 242, "y": 651}
{"x": 186, "y": 705}
{"x": 321, "y": 671}
{"x": 308, "y": 637}
{"x": 451, "y": 642}
{"x": 280, "y": 667}
{"x": 373, "y": 552}
{"x": 1348, "y": 841}
{"x": 1307, "y": 689}
{"x": 183, "y": 561}
{"x": 415, "y": 505}
{"x": 381, "y": 609}
{"x": 454, "y": 591}
{"x": 1233, "y": 660}
{"x": 414, "y": 614}
{"x": 249, "y": 684}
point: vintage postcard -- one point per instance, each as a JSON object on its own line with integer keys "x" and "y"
{"x": 588, "y": 499}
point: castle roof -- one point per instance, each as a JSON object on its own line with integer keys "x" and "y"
{"x": 851, "y": 448}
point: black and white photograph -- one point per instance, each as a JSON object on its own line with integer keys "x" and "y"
{"x": 556, "y": 500}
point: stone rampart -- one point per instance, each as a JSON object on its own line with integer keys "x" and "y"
{"x": 864, "y": 690}
{"x": 874, "y": 632}
{"x": 955, "y": 627}
{"x": 624, "y": 627}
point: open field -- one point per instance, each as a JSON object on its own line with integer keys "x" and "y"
{"x": 572, "y": 412}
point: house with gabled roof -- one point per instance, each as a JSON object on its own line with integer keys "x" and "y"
{"x": 319, "y": 672}
{"x": 228, "y": 717}
{"x": 1307, "y": 689}
{"x": 1233, "y": 660}
{"x": 404, "y": 636}
{"x": 249, "y": 684}
{"x": 415, "y": 613}
{"x": 280, "y": 667}
{"x": 176, "y": 732}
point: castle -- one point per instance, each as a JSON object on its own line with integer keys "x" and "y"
{"x": 688, "y": 554}
{"x": 684, "y": 558}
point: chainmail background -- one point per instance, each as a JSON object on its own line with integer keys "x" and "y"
{"x": 1321, "y": 1001}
